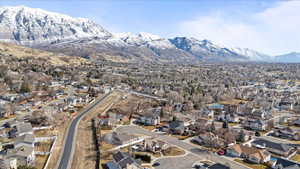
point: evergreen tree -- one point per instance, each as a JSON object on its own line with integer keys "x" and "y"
{"x": 25, "y": 87}
{"x": 225, "y": 125}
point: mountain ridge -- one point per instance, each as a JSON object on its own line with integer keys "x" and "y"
{"x": 56, "y": 32}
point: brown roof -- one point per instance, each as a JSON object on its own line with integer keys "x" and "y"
{"x": 250, "y": 151}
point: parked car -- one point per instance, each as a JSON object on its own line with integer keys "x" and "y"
{"x": 155, "y": 164}
{"x": 221, "y": 152}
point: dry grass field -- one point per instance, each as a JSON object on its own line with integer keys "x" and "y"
{"x": 16, "y": 51}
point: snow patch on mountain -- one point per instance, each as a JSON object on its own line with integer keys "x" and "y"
{"x": 26, "y": 25}
{"x": 252, "y": 54}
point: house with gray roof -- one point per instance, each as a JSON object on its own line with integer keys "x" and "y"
{"x": 123, "y": 160}
{"x": 25, "y": 155}
{"x": 281, "y": 163}
{"x": 24, "y": 128}
{"x": 122, "y": 139}
{"x": 8, "y": 163}
{"x": 273, "y": 147}
{"x": 25, "y": 140}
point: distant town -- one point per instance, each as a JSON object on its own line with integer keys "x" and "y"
{"x": 122, "y": 115}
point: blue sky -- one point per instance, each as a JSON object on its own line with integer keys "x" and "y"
{"x": 244, "y": 23}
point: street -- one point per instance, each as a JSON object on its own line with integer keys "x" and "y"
{"x": 193, "y": 150}
{"x": 69, "y": 144}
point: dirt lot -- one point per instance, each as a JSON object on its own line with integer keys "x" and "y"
{"x": 130, "y": 103}
{"x": 85, "y": 154}
{"x": 173, "y": 151}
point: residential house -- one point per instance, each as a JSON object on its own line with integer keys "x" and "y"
{"x": 255, "y": 124}
{"x": 71, "y": 101}
{"x": 227, "y": 117}
{"x": 113, "y": 119}
{"x": 24, "y": 140}
{"x": 242, "y": 134}
{"x": 260, "y": 114}
{"x": 281, "y": 163}
{"x": 216, "y": 107}
{"x": 154, "y": 146}
{"x": 83, "y": 97}
{"x": 208, "y": 139}
{"x": 205, "y": 113}
{"x": 149, "y": 119}
{"x": 8, "y": 163}
{"x": 251, "y": 154}
{"x": 122, "y": 139}
{"x": 178, "y": 107}
{"x": 286, "y": 104}
{"x": 123, "y": 160}
{"x": 25, "y": 155}
{"x": 297, "y": 122}
{"x": 276, "y": 148}
{"x": 177, "y": 127}
{"x": 286, "y": 133}
{"x": 19, "y": 129}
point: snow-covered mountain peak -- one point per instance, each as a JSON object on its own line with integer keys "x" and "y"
{"x": 252, "y": 54}
{"x": 46, "y": 30}
{"x": 26, "y": 25}
{"x": 148, "y": 36}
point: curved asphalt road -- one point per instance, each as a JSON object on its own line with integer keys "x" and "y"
{"x": 69, "y": 144}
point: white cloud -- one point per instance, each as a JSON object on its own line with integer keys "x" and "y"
{"x": 275, "y": 30}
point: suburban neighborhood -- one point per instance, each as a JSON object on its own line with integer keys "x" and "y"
{"x": 74, "y": 95}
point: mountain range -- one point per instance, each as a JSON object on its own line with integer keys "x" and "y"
{"x": 60, "y": 33}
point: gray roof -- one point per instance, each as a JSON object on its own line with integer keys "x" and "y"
{"x": 278, "y": 146}
{"x": 112, "y": 165}
{"x": 176, "y": 124}
{"x": 26, "y": 138}
{"x": 117, "y": 138}
{"x": 218, "y": 166}
{"x": 124, "y": 159}
{"x": 295, "y": 166}
{"x": 24, "y": 127}
{"x": 23, "y": 151}
{"x": 287, "y": 164}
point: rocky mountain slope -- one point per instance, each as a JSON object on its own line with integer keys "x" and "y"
{"x": 82, "y": 37}
{"x": 29, "y": 26}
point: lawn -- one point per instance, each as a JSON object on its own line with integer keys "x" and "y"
{"x": 295, "y": 142}
{"x": 105, "y": 146}
{"x": 150, "y": 128}
{"x": 254, "y": 166}
{"x": 296, "y": 158}
{"x": 233, "y": 101}
{"x": 180, "y": 137}
{"x": 43, "y": 133}
{"x": 233, "y": 124}
{"x": 40, "y": 161}
{"x": 106, "y": 157}
{"x": 44, "y": 146}
{"x": 173, "y": 151}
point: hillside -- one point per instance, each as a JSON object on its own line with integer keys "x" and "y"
{"x": 21, "y": 52}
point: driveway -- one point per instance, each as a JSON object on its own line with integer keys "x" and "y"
{"x": 183, "y": 162}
